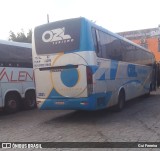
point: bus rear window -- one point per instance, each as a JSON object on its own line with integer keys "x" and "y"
{"x": 58, "y": 36}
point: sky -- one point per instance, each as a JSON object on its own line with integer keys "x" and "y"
{"x": 114, "y": 15}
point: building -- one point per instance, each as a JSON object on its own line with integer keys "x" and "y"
{"x": 148, "y": 38}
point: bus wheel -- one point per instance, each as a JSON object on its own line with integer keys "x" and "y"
{"x": 11, "y": 103}
{"x": 30, "y": 100}
{"x": 121, "y": 101}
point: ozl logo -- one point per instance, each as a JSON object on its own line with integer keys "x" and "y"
{"x": 57, "y": 36}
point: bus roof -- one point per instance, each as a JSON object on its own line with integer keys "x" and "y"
{"x": 19, "y": 44}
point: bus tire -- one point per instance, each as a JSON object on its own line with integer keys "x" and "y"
{"x": 30, "y": 100}
{"x": 12, "y": 103}
{"x": 121, "y": 101}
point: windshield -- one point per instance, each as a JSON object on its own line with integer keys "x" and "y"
{"x": 58, "y": 36}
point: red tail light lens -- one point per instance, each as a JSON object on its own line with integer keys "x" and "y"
{"x": 89, "y": 76}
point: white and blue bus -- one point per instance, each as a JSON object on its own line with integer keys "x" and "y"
{"x": 81, "y": 66}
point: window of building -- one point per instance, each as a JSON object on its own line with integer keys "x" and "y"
{"x": 144, "y": 43}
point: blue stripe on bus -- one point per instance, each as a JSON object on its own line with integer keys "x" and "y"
{"x": 86, "y": 42}
{"x": 54, "y": 93}
{"x": 113, "y": 71}
{"x": 94, "y": 102}
{"x": 94, "y": 69}
{"x": 103, "y": 77}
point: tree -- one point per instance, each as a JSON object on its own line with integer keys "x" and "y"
{"x": 21, "y": 37}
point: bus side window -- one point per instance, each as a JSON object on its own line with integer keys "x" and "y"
{"x": 110, "y": 46}
{"x": 96, "y": 41}
{"x": 104, "y": 44}
{"x": 116, "y": 49}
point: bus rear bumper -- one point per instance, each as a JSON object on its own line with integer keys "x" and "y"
{"x": 93, "y": 102}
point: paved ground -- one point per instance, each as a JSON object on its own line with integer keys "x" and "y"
{"x": 139, "y": 121}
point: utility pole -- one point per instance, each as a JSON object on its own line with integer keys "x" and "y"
{"x": 47, "y": 18}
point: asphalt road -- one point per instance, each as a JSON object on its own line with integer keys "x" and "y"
{"x": 139, "y": 121}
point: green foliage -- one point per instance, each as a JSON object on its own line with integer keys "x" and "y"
{"x": 21, "y": 37}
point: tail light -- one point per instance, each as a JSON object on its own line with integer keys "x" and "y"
{"x": 89, "y": 75}
{"x": 89, "y": 80}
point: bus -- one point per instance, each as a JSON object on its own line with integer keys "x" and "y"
{"x": 79, "y": 65}
{"x": 16, "y": 76}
